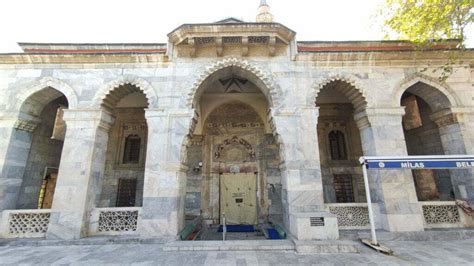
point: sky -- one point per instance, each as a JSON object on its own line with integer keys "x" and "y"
{"x": 149, "y": 21}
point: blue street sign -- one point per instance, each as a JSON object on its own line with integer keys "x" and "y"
{"x": 419, "y": 164}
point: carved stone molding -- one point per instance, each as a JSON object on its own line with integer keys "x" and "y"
{"x": 355, "y": 93}
{"x": 233, "y": 140}
{"x": 140, "y": 83}
{"x": 26, "y": 125}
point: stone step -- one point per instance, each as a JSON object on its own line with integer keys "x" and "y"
{"x": 265, "y": 245}
{"x": 228, "y": 245}
{"x": 327, "y": 246}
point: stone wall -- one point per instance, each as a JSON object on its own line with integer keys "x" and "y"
{"x": 194, "y": 177}
{"x": 270, "y": 164}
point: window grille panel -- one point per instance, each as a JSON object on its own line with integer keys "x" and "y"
{"x": 126, "y": 192}
{"x": 343, "y": 188}
{"x": 131, "y": 154}
{"x": 337, "y": 145}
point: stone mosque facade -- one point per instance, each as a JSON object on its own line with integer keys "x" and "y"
{"x": 230, "y": 119}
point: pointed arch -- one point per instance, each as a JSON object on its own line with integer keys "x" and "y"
{"x": 268, "y": 86}
{"x": 354, "y": 90}
{"x": 446, "y": 98}
{"x": 47, "y": 82}
{"x": 143, "y": 85}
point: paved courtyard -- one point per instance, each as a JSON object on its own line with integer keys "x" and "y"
{"x": 406, "y": 252}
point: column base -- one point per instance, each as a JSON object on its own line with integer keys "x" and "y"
{"x": 66, "y": 226}
{"x": 314, "y": 226}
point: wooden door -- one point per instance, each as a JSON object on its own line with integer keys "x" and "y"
{"x": 49, "y": 191}
{"x": 238, "y": 198}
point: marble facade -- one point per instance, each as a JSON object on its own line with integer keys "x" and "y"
{"x": 177, "y": 81}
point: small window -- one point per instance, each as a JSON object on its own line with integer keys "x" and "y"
{"x": 131, "y": 153}
{"x": 337, "y": 145}
{"x": 126, "y": 192}
{"x": 343, "y": 188}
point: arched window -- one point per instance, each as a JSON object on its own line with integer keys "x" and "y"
{"x": 337, "y": 144}
{"x": 131, "y": 153}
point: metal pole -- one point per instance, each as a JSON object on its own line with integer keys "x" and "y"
{"x": 224, "y": 227}
{"x": 369, "y": 205}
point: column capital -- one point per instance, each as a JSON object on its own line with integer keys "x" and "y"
{"x": 80, "y": 118}
{"x": 368, "y": 116}
{"x": 23, "y": 122}
{"x": 26, "y": 125}
{"x": 444, "y": 117}
{"x": 449, "y": 116}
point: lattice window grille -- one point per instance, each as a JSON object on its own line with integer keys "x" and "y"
{"x": 118, "y": 221}
{"x": 259, "y": 39}
{"x": 205, "y": 40}
{"x": 28, "y": 223}
{"x": 441, "y": 214}
{"x": 351, "y": 215}
{"x": 232, "y": 40}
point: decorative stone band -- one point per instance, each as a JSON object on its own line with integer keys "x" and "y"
{"x": 441, "y": 214}
{"x": 26, "y": 125}
{"x": 25, "y": 223}
{"x": 350, "y": 215}
{"x": 114, "y": 221}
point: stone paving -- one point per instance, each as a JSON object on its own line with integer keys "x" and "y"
{"x": 456, "y": 252}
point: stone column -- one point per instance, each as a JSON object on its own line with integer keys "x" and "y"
{"x": 80, "y": 172}
{"x": 302, "y": 194}
{"x": 15, "y": 142}
{"x": 165, "y": 174}
{"x": 393, "y": 190}
{"x": 455, "y": 130}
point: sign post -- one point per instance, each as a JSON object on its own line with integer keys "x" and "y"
{"x": 369, "y": 206}
{"x": 408, "y": 162}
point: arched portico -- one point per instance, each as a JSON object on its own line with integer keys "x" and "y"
{"x": 352, "y": 125}
{"x": 104, "y": 160}
{"x": 180, "y": 178}
{"x": 431, "y": 126}
{"x": 32, "y": 147}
